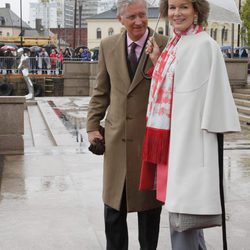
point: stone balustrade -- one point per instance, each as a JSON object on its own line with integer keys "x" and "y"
{"x": 12, "y": 124}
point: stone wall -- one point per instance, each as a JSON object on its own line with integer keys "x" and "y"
{"x": 79, "y": 78}
{"x": 12, "y": 124}
{"x": 237, "y": 71}
{"x": 44, "y": 86}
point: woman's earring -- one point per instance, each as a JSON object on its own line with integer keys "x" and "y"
{"x": 195, "y": 19}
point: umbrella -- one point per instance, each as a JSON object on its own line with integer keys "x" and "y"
{"x": 35, "y": 48}
{"x": 6, "y": 47}
{"x": 26, "y": 49}
{"x": 226, "y": 4}
{"x": 49, "y": 47}
{"x": 223, "y": 14}
{"x": 12, "y": 45}
{"x": 226, "y": 47}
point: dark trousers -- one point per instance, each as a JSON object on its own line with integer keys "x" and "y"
{"x": 117, "y": 231}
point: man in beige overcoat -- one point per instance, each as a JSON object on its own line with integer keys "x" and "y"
{"x": 123, "y": 95}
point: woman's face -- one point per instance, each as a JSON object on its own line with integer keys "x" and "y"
{"x": 181, "y": 14}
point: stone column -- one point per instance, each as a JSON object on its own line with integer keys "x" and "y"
{"x": 12, "y": 124}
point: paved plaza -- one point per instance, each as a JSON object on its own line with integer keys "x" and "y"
{"x": 51, "y": 196}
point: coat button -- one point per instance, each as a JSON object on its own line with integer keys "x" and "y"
{"x": 129, "y": 118}
{"x": 123, "y": 139}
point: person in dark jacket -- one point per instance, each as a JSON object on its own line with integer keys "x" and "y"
{"x": 86, "y": 55}
{"x": 1, "y": 61}
{"x": 9, "y": 61}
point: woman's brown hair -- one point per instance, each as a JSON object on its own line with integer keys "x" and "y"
{"x": 200, "y": 6}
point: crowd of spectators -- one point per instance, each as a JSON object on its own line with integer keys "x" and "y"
{"x": 44, "y": 61}
{"x": 238, "y": 53}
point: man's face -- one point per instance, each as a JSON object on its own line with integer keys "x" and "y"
{"x": 134, "y": 18}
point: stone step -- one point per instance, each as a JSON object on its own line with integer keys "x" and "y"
{"x": 244, "y": 118}
{"x": 242, "y": 91}
{"x": 242, "y": 102}
{"x": 244, "y": 87}
{"x": 241, "y": 96}
{"x": 40, "y": 134}
{"x": 243, "y": 110}
{"x": 60, "y": 134}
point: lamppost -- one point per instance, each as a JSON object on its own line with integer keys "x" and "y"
{"x": 80, "y": 25}
{"x": 59, "y": 30}
{"x": 21, "y": 23}
{"x": 238, "y": 38}
{"x": 74, "y": 36}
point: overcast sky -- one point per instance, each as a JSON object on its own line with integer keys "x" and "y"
{"x": 15, "y": 7}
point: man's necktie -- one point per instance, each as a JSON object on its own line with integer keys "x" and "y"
{"x": 133, "y": 59}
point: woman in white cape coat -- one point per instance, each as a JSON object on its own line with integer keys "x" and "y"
{"x": 190, "y": 103}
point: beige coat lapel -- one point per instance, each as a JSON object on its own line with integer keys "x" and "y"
{"x": 119, "y": 61}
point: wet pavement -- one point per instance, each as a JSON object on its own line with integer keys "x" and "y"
{"x": 51, "y": 196}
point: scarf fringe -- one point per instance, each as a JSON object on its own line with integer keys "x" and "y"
{"x": 156, "y": 146}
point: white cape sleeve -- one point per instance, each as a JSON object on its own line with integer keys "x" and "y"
{"x": 220, "y": 113}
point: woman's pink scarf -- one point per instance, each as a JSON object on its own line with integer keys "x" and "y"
{"x": 157, "y": 136}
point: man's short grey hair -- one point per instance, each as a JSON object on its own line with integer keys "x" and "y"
{"x": 121, "y": 4}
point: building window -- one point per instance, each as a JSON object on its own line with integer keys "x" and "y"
{"x": 160, "y": 30}
{"x": 215, "y": 34}
{"x": 98, "y": 33}
{"x": 111, "y": 32}
{"x": 211, "y": 32}
{"x": 226, "y": 35}
{"x": 2, "y": 20}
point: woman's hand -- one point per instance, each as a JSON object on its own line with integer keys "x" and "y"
{"x": 152, "y": 49}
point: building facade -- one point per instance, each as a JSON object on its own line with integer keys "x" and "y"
{"x": 105, "y": 5}
{"x": 86, "y": 9}
{"x": 10, "y": 23}
{"x": 10, "y": 31}
{"x": 53, "y": 13}
{"x": 225, "y": 33}
{"x": 66, "y": 36}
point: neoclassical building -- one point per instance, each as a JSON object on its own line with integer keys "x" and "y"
{"x": 106, "y": 24}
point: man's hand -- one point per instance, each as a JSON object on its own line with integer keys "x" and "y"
{"x": 93, "y": 135}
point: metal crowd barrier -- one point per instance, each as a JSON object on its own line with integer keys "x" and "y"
{"x": 9, "y": 65}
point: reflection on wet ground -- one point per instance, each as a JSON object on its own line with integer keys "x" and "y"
{"x": 73, "y": 114}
